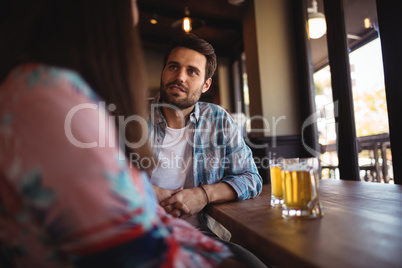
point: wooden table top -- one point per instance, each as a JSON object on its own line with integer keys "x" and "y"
{"x": 361, "y": 227}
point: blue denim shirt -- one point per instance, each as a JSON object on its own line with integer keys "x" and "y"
{"x": 219, "y": 151}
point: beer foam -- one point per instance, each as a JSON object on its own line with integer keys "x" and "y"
{"x": 298, "y": 167}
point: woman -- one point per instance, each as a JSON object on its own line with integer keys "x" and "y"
{"x": 71, "y": 107}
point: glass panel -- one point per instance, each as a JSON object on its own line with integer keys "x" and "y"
{"x": 371, "y": 114}
{"x": 324, "y": 103}
{"x": 246, "y": 94}
{"x": 368, "y": 91}
{"x": 368, "y": 88}
{"x": 326, "y": 123}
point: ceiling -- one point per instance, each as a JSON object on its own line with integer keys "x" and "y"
{"x": 223, "y": 23}
{"x": 355, "y": 11}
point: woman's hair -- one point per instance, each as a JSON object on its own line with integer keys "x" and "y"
{"x": 95, "y": 38}
{"x": 191, "y": 41}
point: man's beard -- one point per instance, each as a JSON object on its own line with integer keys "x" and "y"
{"x": 173, "y": 98}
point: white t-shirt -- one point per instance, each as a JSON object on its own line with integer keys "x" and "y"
{"x": 175, "y": 162}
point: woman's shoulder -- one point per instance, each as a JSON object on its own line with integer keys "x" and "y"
{"x": 30, "y": 78}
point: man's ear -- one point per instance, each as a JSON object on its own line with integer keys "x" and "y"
{"x": 207, "y": 85}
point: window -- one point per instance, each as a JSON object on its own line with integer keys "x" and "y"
{"x": 368, "y": 91}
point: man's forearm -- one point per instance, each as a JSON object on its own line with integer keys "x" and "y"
{"x": 246, "y": 185}
{"x": 220, "y": 192}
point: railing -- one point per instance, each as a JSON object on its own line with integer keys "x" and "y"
{"x": 377, "y": 167}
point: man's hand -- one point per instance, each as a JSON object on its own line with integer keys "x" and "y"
{"x": 162, "y": 193}
{"x": 185, "y": 203}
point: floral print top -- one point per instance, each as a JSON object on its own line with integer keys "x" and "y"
{"x": 68, "y": 195}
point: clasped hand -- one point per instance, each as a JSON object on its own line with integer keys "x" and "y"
{"x": 181, "y": 202}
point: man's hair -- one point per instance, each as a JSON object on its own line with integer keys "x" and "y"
{"x": 97, "y": 39}
{"x": 191, "y": 41}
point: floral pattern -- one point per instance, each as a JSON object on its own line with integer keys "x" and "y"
{"x": 62, "y": 205}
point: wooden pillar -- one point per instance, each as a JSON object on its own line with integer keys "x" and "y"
{"x": 305, "y": 71}
{"x": 390, "y": 27}
{"x": 338, "y": 55}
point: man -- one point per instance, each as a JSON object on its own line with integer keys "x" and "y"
{"x": 202, "y": 157}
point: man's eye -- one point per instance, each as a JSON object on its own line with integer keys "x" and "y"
{"x": 192, "y": 72}
{"x": 172, "y": 67}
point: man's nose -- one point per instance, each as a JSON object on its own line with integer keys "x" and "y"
{"x": 181, "y": 75}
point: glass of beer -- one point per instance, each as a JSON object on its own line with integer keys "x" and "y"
{"x": 275, "y": 169}
{"x": 300, "y": 188}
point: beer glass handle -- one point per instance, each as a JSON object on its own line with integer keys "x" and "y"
{"x": 313, "y": 202}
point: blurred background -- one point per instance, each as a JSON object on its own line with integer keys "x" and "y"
{"x": 274, "y": 73}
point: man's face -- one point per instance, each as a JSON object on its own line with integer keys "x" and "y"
{"x": 183, "y": 78}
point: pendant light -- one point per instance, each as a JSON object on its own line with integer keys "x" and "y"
{"x": 187, "y": 24}
{"x": 317, "y": 26}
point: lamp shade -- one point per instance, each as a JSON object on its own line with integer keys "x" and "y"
{"x": 316, "y": 25}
